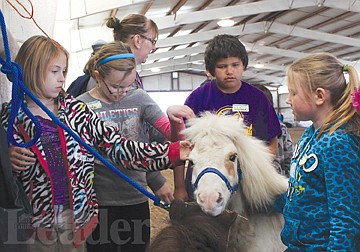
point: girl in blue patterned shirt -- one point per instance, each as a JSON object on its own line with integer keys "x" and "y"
{"x": 322, "y": 205}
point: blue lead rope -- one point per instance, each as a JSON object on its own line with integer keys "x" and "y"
{"x": 14, "y": 73}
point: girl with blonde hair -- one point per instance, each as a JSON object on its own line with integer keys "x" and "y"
{"x": 322, "y": 205}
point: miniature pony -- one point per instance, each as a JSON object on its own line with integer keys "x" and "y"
{"x": 234, "y": 171}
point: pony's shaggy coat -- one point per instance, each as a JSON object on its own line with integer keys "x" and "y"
{"x": 192, "y": 230}
{"x": 216, "y": 138}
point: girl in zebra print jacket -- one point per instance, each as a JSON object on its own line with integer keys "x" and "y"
{"x": 58, "y": 180}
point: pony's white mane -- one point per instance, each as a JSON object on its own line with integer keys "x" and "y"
{"x": 261, "y": 183}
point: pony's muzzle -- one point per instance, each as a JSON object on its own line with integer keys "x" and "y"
{"x": 211, "y": 203}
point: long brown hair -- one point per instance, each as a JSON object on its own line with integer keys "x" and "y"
{"x": 34, "y": 57}
{"x": 130, "y": 25}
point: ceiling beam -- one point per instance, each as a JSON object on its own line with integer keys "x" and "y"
{"x": 175, "y": 9}
{"x": 171, "y": 68}
{"x": 346, "y": 5}
{"x": 197, "y": 58}
{"x": 193, "y": 54}
{"x": 79, "y": 9}
{"x": 311, "y": 34}
{"x": 186, "y": 67}
{"x": 146, "y": 7}
{"x": 207, "y": 35}
{"x": 178, "y": 52}
{"x": 181, "y": 61}
{"x": 264, "y": 77}
{"x": 88, "y": 7}
{"x": 231, "y": 11}
{"x": 249, "y": 48}
{"x": 259, "y": 27}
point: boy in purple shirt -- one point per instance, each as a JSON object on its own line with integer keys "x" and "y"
{"x": 226, "y": 60}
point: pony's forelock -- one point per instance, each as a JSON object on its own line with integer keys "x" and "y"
{"x": 209, "y": 124}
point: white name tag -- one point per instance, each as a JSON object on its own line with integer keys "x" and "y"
{"x": 95, "y": 105}
{"x": 240, "y": 107}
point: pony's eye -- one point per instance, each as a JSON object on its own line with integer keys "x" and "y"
{"x": 233, "y": 157}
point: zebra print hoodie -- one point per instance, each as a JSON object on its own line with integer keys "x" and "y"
{"x": 37, "y": 181}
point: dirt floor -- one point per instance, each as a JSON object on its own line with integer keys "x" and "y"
{"x": 159, "y": 216}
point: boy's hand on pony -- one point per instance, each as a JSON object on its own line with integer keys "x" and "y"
{"x": 21, "y": 158}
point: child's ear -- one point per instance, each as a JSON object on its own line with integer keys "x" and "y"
{"x": 321, "y": 95}
{"x": 96, "y": 75}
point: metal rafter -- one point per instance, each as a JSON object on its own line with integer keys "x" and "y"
{"x": 270, "y": 29}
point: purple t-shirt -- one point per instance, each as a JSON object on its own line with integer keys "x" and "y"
{"x": 51, "y": 143}
{"x": 248, "y": 102}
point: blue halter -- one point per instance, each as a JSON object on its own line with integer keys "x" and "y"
{"x": 231, "y": 188}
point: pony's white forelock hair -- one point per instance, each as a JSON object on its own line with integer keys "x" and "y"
{"x": 260, "y": 183}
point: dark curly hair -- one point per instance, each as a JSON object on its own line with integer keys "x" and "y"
{"x": 224, "y": 46}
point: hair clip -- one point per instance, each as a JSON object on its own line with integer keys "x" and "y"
{"x": 345, "y": 70}
{"x": 116, "y": 57}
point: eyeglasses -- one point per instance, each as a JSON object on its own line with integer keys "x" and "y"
{"x": 153, "y": 41}
{"x": 120, "y": 90}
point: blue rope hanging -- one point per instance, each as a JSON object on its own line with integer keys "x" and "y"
{"x": 13, "y": 72}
